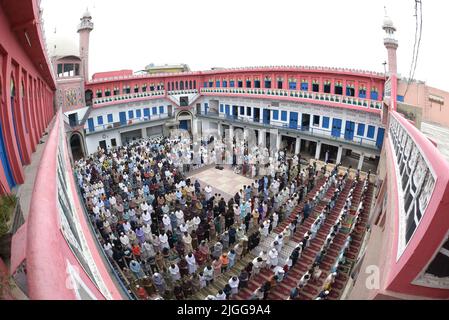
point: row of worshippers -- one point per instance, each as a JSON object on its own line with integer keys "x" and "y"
{"x": 140, "y": 203}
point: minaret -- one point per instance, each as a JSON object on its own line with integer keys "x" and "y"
{"x": 391, "y": 44}
{"x": 84, "y": 29}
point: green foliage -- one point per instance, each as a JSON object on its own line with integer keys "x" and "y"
{"x": 7, "y": 205}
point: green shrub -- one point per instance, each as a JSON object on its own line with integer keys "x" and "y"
{"x": 7, "y": 205}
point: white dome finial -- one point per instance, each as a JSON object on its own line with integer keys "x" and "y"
{"x": 388, "y": 23}
{"x": 87, "y": 13}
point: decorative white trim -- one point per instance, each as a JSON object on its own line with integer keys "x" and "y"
{"x": 419, "y": 183}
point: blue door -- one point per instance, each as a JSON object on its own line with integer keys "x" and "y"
{"x": 90, "y": 124}
{"x": 380, "y": 137}
{"x": 183, "y": 124}
{"x": 5, "y": 162}
{"x": 266, "y": 116}
{"x": 122, "y": 117}
{"x": 293, "y": 120}
{"x": 349, "y": 130}
{"x": 227, "y": 110}
{"x": 336, "y": 127}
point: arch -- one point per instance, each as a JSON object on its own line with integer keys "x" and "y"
{"x": 16, "y": 114}
{"x": 181, "y": 85}
{"x": 184, "y": 113}
{"x": 185, "y": 85}
{"x": 190, "y": 84}
{"x": 76, "y": 146}
{"x": 168, "y": 86}
{"x": 4, "y": 159}
{"x": 88, "y": 96}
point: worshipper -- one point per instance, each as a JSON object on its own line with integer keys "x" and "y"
{"x": 174, "y": 272}
{"x": 216, "y": 264}
{"x": 234, "y": 284}
{"x": 159, "y": 283}
{"x": 273, "y": 258}
{"x": 221, "y": 295}
{"x": 191, "y": 261}
{"x": 257, "y": 266}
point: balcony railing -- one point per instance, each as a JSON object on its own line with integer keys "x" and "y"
{"x": 315, "y": 96}
{"x": 178, "y": 92}
{"x": 128, "y": 96}
{"x": 341, "y": 136}
{"x": 129, "y": 122}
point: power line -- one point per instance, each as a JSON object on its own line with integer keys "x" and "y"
{"x": 417, "y": 43}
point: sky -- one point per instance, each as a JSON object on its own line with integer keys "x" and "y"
{"x": 237, "y": 33}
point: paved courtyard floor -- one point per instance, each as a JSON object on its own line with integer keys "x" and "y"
{"x": 223, "y": 181}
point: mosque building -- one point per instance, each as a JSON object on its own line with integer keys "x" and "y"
{"x": 53, "y": 114}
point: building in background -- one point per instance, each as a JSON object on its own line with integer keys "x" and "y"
{"x": 343, "y": 115}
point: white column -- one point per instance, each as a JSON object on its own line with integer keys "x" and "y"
{"x": 219, "y": 128}
{"x": 339, "y": 153}
{"x": 194, "y": 127}
{"x": 278, "y": 140}
{"x": 297, "y": 145}
{"x": 361, "y": 159}
{"x": 231, "y": 132}
{"x": 144, "y": 133}
{"x": 262, "y": 137}
{"x": 318, "y": 150}
{"x": 245, "y": 133}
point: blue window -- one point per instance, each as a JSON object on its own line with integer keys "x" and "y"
{"x": 138, "y": 113}
{"x": 110, "y": 118}
{"x": 100, "y": 120}
{"x": 206, "y": 107}
{"x": 248, "y": 111}
{"x": 122, "y": 117}
{"x": 374, "y": 95}
{"x": 242, "y": 111}
{"x": 211, "y": 84}
{"x": 217, "y": 83}
{"x": 221, "y": 108}
{"x": 225, "y": 83}
{"x": 205, "y": 84}
{"x": 292, "y": 85}
{"x": 361, "y": 129}
{"x": 370, "y": 133}
{"x": 268, "y": 84}
{"x": 131, "y": 114}
{"x": 326, "y": 122}
{"x": 231, "y": 83}
{"x": 146, "y": 112}
{"x": 400, "y": 98}
{"x": 304, "y": 86}
{"x": 161, "y": 109}
{"x": 90, "y": 124}
{"x": 275, "y": 115}
{"x": 283, "y": 115}
{"x": 154, "y": 110}
{"x": 362, "y": 93}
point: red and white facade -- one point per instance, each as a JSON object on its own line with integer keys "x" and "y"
{"x": 346, "y": 109}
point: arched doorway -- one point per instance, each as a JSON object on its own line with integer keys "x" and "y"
{"x": 185, "y": 121}
{"x": 76, "y": 146}
{"x": 15, "y": 115}
{"x": 4, "y": 159}
{"x": 89, "y": 96}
